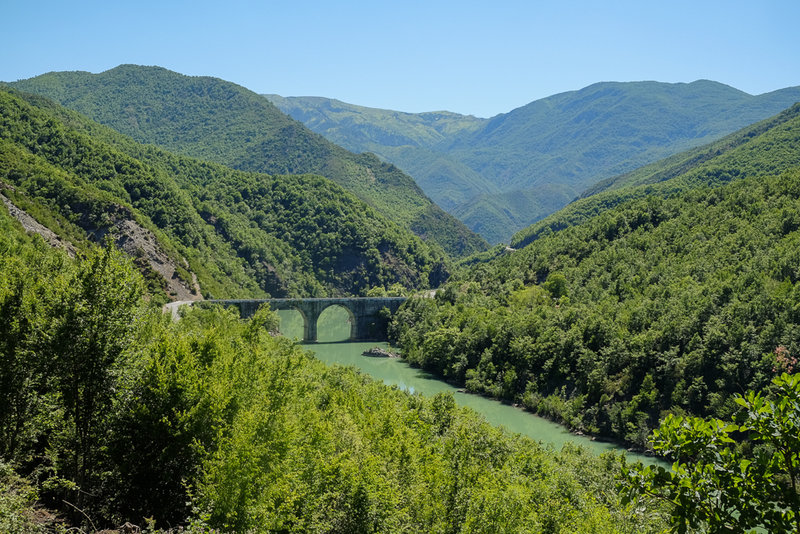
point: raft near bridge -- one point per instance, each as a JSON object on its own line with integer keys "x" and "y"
{"x": 367, "y": 323}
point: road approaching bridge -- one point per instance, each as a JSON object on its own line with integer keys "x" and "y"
{"x": 367, "y": 323}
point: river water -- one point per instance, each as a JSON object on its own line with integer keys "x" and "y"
{"x": 333, "y": 328}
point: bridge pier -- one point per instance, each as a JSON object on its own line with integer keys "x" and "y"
{"x": 366, "y": 321}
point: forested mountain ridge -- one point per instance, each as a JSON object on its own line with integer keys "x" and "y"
{"x": 667, "y": 301}
{"x": 219, "y": 121}
{"x": 409, "y": 140}
{"x": 349, "y": 123}
{"x": 764, "y": 148}
{"x": 548, "y": 151}
{"x": 240, "y": 234}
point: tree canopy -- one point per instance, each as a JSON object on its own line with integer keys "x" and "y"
{"x": 210, "y": 422}
{"x": 738, "y": 476}
{"x": 238, "y": 233}
{"x": 658, "y": 304}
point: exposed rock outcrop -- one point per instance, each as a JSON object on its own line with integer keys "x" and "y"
{"x": 130, "y": 237}
{"x": 141, "y": 244}
{"x": 378, "y": 352}
{"x": 32, "y": 225}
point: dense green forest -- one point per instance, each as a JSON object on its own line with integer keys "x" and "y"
{"x": 664, "y": 312}
{"x": 219, "y": 121}
{"x": 113, "y": 413}
{"x": 239, "y": 233}
{"x": 546, "y": 152}
{"x": 659, "y": 304}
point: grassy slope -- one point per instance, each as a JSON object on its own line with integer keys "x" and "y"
{"x": 406, "y": 139}
{"x": 219, "y": 121}
{"x": 243, "y": 234}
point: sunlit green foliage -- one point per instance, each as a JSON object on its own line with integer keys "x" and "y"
{"x": 67, "y": 333}
{"x": 91, "y": 324}
{"x": 715, "y": 486}
{"x": 219, "y": 121}
{"x": 242, "y": 234}
{"x": 211, "y": 422}
{"x": 18, "y": 514}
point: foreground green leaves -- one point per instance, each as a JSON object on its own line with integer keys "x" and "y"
{"x": 717, "y": 486}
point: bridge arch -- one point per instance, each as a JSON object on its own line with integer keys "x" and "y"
{"x": 351, "y": 318}
{"x": 293, "y": 323}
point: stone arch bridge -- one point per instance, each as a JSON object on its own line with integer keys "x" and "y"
{"x": 366, "y": 321}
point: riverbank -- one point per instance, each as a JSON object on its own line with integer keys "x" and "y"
{"x": 333, "y": 329}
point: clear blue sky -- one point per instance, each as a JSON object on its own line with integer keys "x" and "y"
{"x": 479, "y": 58}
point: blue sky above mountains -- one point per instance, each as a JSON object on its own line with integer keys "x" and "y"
{"x": 479, "y": 58}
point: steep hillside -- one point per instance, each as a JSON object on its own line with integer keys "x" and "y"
{"x": 408, "y": 140}
{"x": 562, "y": 143}
{"x": 219, "y": 121}
{"x": 765, "y": 148}
{"x": 491, "y": 215}
{"x": 669, "y": 300}
{"x": 238, "y": 233}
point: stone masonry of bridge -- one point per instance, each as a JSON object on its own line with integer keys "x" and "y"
{"x": 366, "y": 321}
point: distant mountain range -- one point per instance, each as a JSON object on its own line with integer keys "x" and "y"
{"x": 219, "y": 121}
{"x": 501, "y": 174}
{"x": 767, "y": 148}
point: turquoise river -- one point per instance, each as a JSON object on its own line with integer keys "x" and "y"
{"x": 333, "y": 328}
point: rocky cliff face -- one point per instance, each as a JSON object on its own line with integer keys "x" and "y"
{"x": 32, "y": 225}
{"x": 130, "y": 237}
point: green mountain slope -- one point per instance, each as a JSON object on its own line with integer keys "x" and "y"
{"x": 240, "y": 233}
{"x": 609, "y": 128}
{"x": 671, "y": 300}
{"x": 363, "y": 126}
{"x": 491, "y": 215}
{"x": 219, "y": 121}
{"x": 408, "y": 140}
{"x": 765, "y": 148}
{"x": 564, "y": 143}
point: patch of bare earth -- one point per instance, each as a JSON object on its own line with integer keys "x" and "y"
{"x": 130, "y": 237}
{"x": 140, "y": 243}
{"x": 32, "y": 225}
